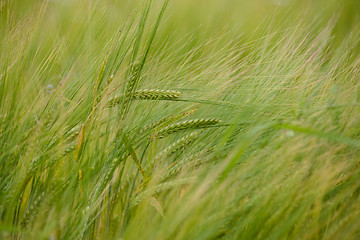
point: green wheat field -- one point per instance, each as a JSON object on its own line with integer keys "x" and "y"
{"x": 179, "y": 119}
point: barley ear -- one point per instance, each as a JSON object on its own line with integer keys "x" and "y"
{"x": 156, "y": 94}
{"x": 146, "y": 94}
{"x": 185, "y": 125}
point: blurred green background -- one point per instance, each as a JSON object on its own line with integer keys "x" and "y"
{"x": 85, "y": 26}
{"x": 213, "y": 15}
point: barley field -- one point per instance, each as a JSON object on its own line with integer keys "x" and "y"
{"x": 179, "y": 119}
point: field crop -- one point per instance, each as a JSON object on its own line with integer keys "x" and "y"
{"x": 179, "y": 119}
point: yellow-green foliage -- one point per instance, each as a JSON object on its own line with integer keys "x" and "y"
{"x": 180, "y": 119}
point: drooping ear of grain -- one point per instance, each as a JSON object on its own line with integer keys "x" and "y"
{"x": 176, "y": 146}
{"x": 73, "y": 132}
{"x": 156, "y": 124}
{"x": 165, "y": 121}
{"x": 185, "y": 125}
{"x": 32, "y": 210}
{"x": 181, "y": 143}
{"x": 156, "y": 94}
{"x": 146, "y": 94}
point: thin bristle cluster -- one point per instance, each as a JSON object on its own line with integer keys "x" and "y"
{"x": 189, "y": 124}
{"x": 176, "y": 146}
{"x": 74, "y": 132}
{"x": 160, "y": 188}
{"x": 181, "y": 143}
{"x": 155, "y": 124}
{"x": 32, "y": 210}
{"x": 132, "y": 82}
